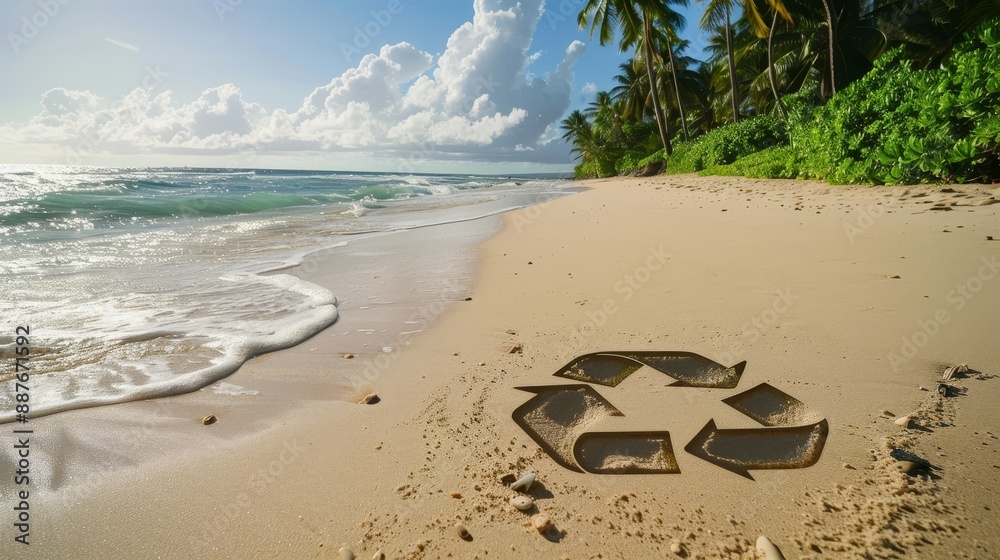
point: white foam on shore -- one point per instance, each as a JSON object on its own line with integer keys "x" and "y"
{"x": 152, "y": 312}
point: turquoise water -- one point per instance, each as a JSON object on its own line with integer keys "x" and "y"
{"x": 139, "y": 283}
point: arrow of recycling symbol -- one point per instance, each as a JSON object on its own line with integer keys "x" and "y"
{"x": 557, "y": 418}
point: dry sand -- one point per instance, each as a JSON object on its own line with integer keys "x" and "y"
{"x": 815, "y": 287}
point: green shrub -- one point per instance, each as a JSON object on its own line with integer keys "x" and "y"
{"x": 727, "y": 144}
{"x": 628, "y": 163}
{"x": 585, "y": 170}
{"x": 779, "y": 162}
{"x": 900, "y": 126}
{"x": 837, "y": 141}
{"x": 954, "y": 134}
{"x": 591, "y": 169}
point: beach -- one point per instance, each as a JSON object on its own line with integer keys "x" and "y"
{"x": 853, "y": 300}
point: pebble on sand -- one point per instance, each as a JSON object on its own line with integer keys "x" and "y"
{"x": 463, "y": 533}
{"x": 378, "y": 555}
{"x": 676, "y": 548}
{"x": 768, "y": 550}
{"x": 522, "y": 503}
{"x": 456, "y": 495}
{"x": 515, "y": 349}
{"x": 905, "y": 421}
{"x": 348, "y": 356}
{"x": 346, "y": 553}
{"x": 210, "y": 419}
{"x": 371, "y": 398}
{"x": 541, "y": 522}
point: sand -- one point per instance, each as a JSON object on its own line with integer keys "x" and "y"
{"x": 846, "y": 299}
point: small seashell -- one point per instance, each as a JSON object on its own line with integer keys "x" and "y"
{"x": 541, "y": 522}
{"x": 455, "y": 495}
{"x": 955, "y": 370}
{"x": 522, "y": 503}
{"x": 371, "y": 398}
{"x": 378, "y": 555}
{"x": 210, "y": 419}
{"x": 348, "y": 356}
{"x": 524, "y": 483}
{"x": 346, "y": 553}
{"x": 922, "y": 388}
{"x": 893, "y": 277}
{"x": 675, "y": 547}
{"x": 515, "y": 349}
{"x": 905, "y": 421}
{"x": 767, "y": 548}
{"x": 463, "y": 533}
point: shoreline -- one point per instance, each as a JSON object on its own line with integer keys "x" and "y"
{"x": 380, "y": 476}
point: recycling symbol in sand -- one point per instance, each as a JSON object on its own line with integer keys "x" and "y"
{"x": 558, "y": 418}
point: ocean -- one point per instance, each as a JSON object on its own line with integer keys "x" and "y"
{"x": 139, "y": 283}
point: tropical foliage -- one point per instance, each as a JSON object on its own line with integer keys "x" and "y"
{"x": 876, "y": 91}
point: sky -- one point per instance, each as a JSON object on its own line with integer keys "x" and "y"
{"x": 461, "y": 86}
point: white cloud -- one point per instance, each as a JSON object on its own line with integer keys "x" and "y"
{"x": 476, "y": 100}
{"x": 588, "y": 90}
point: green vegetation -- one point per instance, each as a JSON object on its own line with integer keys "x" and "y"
{"x": 912, "y": 95}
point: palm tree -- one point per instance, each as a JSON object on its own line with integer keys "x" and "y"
{"x": 631, "y": 91}
{"x": 778, "y": 9}
{"x": 578, "y": 130}
{"x": 718, "y": 16}
{"x": 604, "y": 116}
{"x": 672, "y": 44}
{"x": 703, "y": 116}
{"x": 831, "y": 25}
{"x": 635, "y": 20}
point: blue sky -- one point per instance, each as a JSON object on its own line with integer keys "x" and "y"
{"x": 286, "y": 84}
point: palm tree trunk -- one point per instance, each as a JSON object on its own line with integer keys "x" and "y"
{"x": 770, "y": 68}
{"x": 677, "y": 90}
{"x": 732, "y": 68}
{"x": 647, "y": 42}
{"x": 831, "y": 25}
